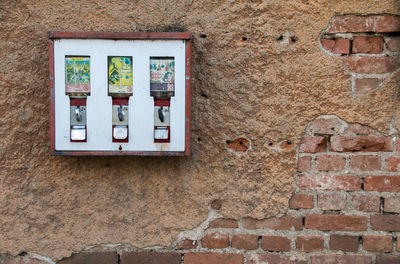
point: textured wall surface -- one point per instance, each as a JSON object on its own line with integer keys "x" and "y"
{"x": 260, "y": 76}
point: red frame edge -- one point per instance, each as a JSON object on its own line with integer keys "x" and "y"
{"x": 52, "y": 98}
{"x": 187, "y": 95}
{"x": 119, "y": 35}
{"x": 186, "y": 36}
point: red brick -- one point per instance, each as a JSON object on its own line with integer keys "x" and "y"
{"x": 377, "y": 243}
{"x": 387, "y": 23}
{"x": 339, "y": 46}
{"x": 393, "y": 44}
{"x": 240, "y": 144}
{"x": 382, "y": 183}
{"x": 387, "y": 259}
{"x": 360, "y": 129}
{"x": 215, "y": 240}
{"x": 276, "y": 223}
{"x": 149, "y": 258}
{"x": 341, "y": 259}
{"x": 212, "y": 258}
{"x": 392, "y": 205}
{"x": 313, "y": 144}
{"x": 272, "y": 259}
{"x": 398, "y": 144}
{"x": 366, "y": 85}
{"x": 329, "y": 182}
{"x": 29, "y": 259}
{"x": 352, "y": 24}
{"x": 304, "y": 164}
{"x": 332, "y": 201}
{"x": 275, "y": 243}
{"x": 344, "y": 243}
{"x": 392, "y": 163}
{"x": 361, "y": 143}
{"x": 365, "y": 203}
{"x": 336, "y": 222}
{"x": 371, "y": 65}
{"x": 364, "y": 44}
{"x": 187, "y": 244}
{"x": 223, "y": 223}
{"x": 328, "y": 125}
{"x": 398, "y": 244}
{"x": 309, "y": 243}
{"x": 301, "y": 201}
{"x": 330, "y": 163}
{"x": 365, "y": 163}
{"x": 91, "y": 258}
{"x": 245, "y": 241}
{"x": 390, "y": 223}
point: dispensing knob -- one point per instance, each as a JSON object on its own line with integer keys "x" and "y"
{"x": 121, "y": 114}
{"x": 161, "y": 114}
{"x": 78, "y": 114}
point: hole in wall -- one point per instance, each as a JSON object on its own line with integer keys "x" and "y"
{"x": 204, "y": 95}
{"x": 240, "y": 144}
{"x": 244, "y": 38}
{"x": 198, "y": 139}
{"x": 280, "y": 38}
{"x": 216, "y": 204}
{"x": 202, "y": 35}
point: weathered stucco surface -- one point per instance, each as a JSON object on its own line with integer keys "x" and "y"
{"x": 247, "y": 82}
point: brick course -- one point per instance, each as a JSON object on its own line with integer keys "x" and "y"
{"x": 344, "y": 242}
{"x": 365, "y": 202}
{"x": 365, "y": 163}
{"x": 330, "y": 163}
{"x": 364, "y": 44}
{"x": 245, "y": 241}
{"x": 215, "y": 240}
{"x": 309, "y": 243}
{"x": 301, "y": 201}
{"x": 377, "y": 243}
{"x": 212, "y": 258}
{"x": 149, "y": 258}
{"x": 336, "y": 222}
{"x": 223, "y": 223}
{"x": 275, "y": 243}
{"x": 392, "y": 205}
{"x": 332, "y": 201}
{"x": 94, "y": 258}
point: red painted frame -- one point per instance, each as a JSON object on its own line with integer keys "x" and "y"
{"x": 186, "y": 36}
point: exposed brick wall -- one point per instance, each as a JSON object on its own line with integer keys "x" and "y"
{"x": 369, "y": 46}
{"x": 345, "y": 210}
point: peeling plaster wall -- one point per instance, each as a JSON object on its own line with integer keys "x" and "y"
{"x": 259, "y": 73}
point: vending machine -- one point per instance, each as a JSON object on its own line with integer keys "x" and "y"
{"x": 119, "y": 93}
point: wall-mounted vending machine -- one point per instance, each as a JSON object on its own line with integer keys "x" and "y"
{"x": 119, "y": 93}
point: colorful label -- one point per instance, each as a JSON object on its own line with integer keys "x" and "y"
{"x": 120, "y": 75}
{"x": 77, "y": 75}
{"x": 162, "y": 74}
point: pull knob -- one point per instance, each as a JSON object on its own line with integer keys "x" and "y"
{"x": 121, "y": 113}
{"x": 161, "y": 115}
{"x": 78, "y": 114}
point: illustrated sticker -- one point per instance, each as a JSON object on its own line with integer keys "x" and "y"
{"x": 77, "y": 75}
{"x": 120, "y": 75}
{"x": 162, "y": 74}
